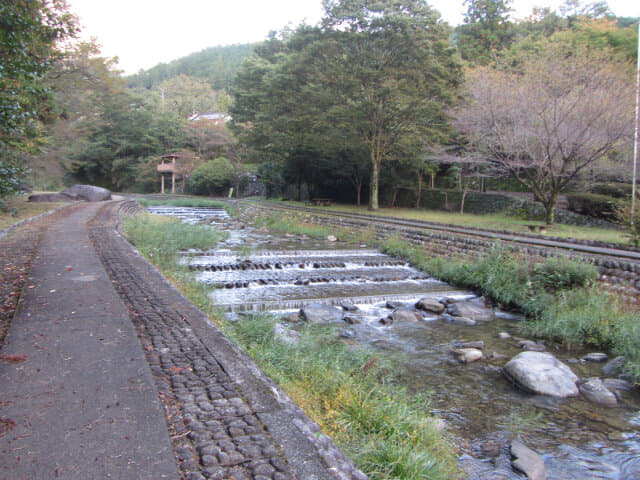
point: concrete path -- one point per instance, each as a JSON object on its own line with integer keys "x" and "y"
{"x": 82, "y": 403}
{"x": 133, "y": 382}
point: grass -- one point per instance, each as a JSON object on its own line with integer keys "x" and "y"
{"x": 21, "y": 209}
{"x": 161, "y": 238}
{"x": 294, "y": 224}
{"x": 346, "y": 390}
{"x": 490, "y": 221}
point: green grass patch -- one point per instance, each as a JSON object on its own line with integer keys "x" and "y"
{"x": 161, "y": 238}
{"x": 347, "y": 391}
{"x": 295, "y": 225}
{"x": 19, "y": 208}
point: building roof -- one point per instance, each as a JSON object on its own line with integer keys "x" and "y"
{"x": 215, "y": 116}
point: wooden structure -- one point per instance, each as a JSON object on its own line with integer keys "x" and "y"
{"x": 187, "y": 161}
{"x": 171, "y": 168}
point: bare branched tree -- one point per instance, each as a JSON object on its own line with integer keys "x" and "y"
{"x": 557, "y": 116}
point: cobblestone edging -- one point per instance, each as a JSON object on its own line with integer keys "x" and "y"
{"x": 226, "y": 418}
{"x": 6, "y": 231}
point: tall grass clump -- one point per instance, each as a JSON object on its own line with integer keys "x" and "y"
{"x": 586, "y": 316}
{"x": 347, "y": 391}
{"x": 161, "y": 238}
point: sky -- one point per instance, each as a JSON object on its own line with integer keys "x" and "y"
{"x": 143, "y": 33}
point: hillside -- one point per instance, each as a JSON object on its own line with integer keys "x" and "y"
{"x": 217, "y": 65}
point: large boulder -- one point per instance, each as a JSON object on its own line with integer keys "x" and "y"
{"x": 541, "y": 373}
{"x": 321, "y": 313}
{"x": 90, "y": 193}
{"x": 474, "y": 309}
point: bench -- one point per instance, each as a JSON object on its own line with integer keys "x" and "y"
{"x": 322, "y": 202}
{"x": 538, "y": 228}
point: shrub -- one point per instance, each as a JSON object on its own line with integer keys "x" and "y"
{"x": 616, "y": 190}
{"x": 212, "y": 177}
{"x": 594, "y": 205}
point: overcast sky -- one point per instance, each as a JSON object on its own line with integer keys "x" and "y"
{"x": 143, "y": 33}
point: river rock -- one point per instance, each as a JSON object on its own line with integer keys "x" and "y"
{"x": 393, "y": 304}
{"x": 404, "y": 315}
{"x": 471, "y": 309}
{"x": 321, "y": 313}
{"x": 90, "y": 193}
{"x": 430, "y": 305}
{"x": 531, "y": 346}
{"x": 541, "y": 373}
{"x": 595, "y": 357}
{"x": 457, "y": 320}
{"x": 292, "y": 317}
{"x": 286, "y": 335}
{"x": 352, "y": 319}
{"x": 617, "y": 384}
{"x": 614, "y": 367}
{"x": 504, "y": 335}
{"x": 332, "y": 238}
{"x": 468, "y": 355}
{"x": 527, "y": 461}
{"x": 347, "y": 333}
{"x": 479, "y": 344}
{"x": 348, "y": 306}
{"x": 595, "y": 391}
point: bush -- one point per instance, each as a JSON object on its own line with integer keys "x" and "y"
{"x": 616, "y": 190}
{"x": 212, "y": 178}
{"x": 594, "y": 205}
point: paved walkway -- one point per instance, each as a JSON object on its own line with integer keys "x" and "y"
{"x": 133, "y": 382}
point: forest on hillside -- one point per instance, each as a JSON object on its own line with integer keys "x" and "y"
{"x": 376, "y": 104}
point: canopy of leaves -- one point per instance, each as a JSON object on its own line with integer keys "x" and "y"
{"x": 29, "y": 32}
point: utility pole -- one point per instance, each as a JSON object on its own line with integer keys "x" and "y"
{"x": 635, "y": 137}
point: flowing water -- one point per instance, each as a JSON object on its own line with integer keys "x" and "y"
{"x": 480, "y": 409}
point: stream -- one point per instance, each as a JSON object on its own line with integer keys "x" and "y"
{"x": 479, "y": 409}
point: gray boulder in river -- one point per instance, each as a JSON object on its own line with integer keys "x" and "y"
{"x": 321, "y": 313}
{"x": 541, "y": 373}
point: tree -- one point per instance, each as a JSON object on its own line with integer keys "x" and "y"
{"x": 29, "y": 33}
{"x": 385, "y": 72}
{"x": 560, "y": 114}
{"x": 486, "y": 30}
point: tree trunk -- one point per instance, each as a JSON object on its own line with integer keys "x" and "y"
{"x": 419, "y": 192}
{"x": 375, "y": 177}
{"x": 550, "y": 208}
{"x": 359, "y": 191}
{"x": 299, "y": 189}
{"x": 433, "y": 181}
{"x": 463, "y": 198}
